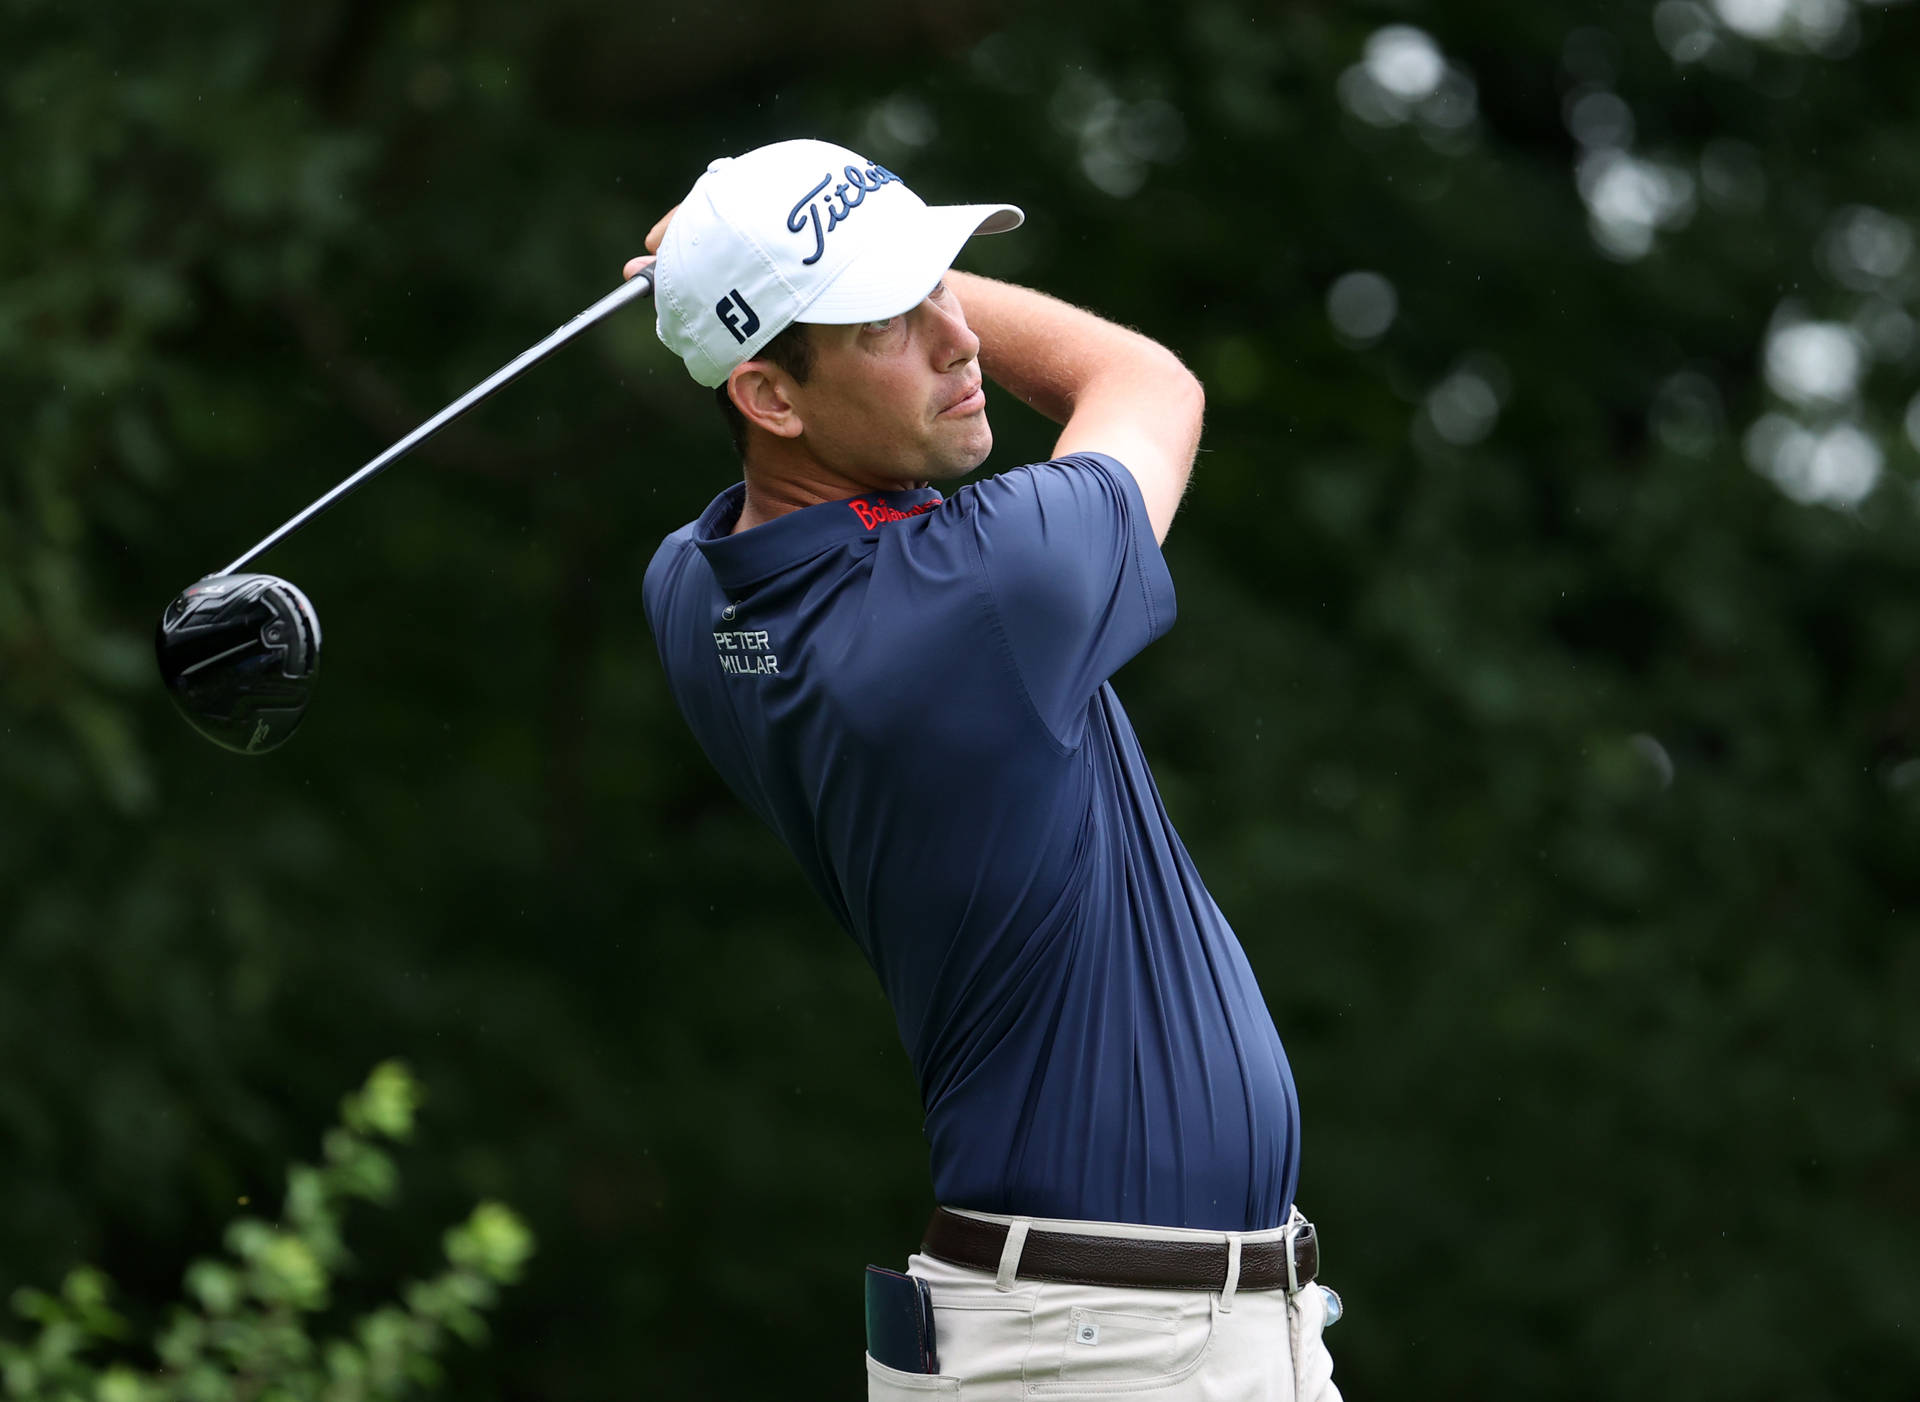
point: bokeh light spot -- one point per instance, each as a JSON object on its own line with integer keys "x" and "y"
{"x": 1656, "y": 756}
{"x": 1465, "y": 406}
{"x": 1362, "y": 305}
{"x": 1599, "y": 119}
{"x": 1864, "y": 248}
{"x": 1686, "y": 416}
{"x": 1887, "y": 328}
{"x": 1838, "y": 466}
{"x": 1685, "y": 30}
{"x": 1402, "y": 75}
{"x": 1629, "y": 199}
{"x": 1827, "y": 26}
{"x": 1405, "y": 62}
{"x": 1757, "y": 19}
{"x": 1119, "y": 140}
{"x": 1814, "y": 363}
{"x": 901, "y": 122}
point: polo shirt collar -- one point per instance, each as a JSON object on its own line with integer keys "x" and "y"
{"x": 779, "y": 544}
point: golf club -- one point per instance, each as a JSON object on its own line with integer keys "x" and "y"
{"x": 239, "y": 652}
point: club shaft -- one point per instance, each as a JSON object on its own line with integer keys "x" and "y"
{"x": 640, "y": 285}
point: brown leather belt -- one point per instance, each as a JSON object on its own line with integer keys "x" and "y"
{"x": 1123, "y": 1262}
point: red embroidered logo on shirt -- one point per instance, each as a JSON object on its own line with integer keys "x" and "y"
{"x": 878, "y": 513}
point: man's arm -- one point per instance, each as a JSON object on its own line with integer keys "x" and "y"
{"x": 1115, "y": 391}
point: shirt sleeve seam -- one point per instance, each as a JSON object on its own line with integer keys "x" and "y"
{"x": 1136, "y": 551}
{"x": 994, "y": 621}
{"x": 1137, "y": 556}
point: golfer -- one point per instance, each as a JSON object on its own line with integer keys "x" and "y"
{"x": 912, "y": 692}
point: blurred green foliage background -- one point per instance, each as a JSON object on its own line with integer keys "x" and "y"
{"x": 254, "y": 1326}
{"x": 1544, "y": 708}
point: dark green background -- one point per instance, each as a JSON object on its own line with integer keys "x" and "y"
{"x": 1609, "y": 1083}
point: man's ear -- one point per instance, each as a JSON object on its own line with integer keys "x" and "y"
{"x": 762, "y": 393}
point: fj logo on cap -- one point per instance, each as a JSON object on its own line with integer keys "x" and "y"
{"x": 731, "y": 319}
{"x": 848, "y": 194}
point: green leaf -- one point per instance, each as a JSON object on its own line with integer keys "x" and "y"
{"x": 345, "y": 1363}
{"x": 386, "y": 1104}
{"x": 86, "y": 1288}
{"x": 59, "y": 1342}
{"x": 207, "y": 1383}
{"x": 306, "y": 1196}
{"x": 87, "y": 1291}
{"x": 124, "y": 1385}
{"x": 20, "y": 1375}
{"x": 493, "y": 1240}
{"x": 240, "y": 1352}
{"x": 287, "y": 1272}
{"x": 365, "y": 1172}
{"x": 37, "y": 1305}
{"x": 182, "y": 1342}
{"x": 218, "y": 1288}
{"x": 247, "y": 1237}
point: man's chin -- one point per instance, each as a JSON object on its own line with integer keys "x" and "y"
{"x": 965, "y": 455}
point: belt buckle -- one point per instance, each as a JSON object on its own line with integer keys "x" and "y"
{"x": 1298, "y": 1229}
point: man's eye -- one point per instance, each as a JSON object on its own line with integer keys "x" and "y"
{"x": 876, "y": 327}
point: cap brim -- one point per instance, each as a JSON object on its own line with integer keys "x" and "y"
{"x": 895, "y": 277}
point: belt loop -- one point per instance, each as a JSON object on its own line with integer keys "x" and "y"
{"x": 1010, "y": 1253}
{"x": 1294, "y": 1224}
{"x": 1233, "y": 1273}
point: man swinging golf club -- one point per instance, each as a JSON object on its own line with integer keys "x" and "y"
{"x": 913, "y": 693}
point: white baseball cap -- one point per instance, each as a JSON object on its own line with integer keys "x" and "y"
{"x": 800, "y": 231}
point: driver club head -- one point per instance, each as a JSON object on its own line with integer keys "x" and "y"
{"x": 239, "y": 654}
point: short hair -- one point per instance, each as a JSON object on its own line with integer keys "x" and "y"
{"x": 793, "y": 351}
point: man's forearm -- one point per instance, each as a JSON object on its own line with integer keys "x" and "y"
{"x": 1115, "y": 391}
{"x": 1050, "y": 353}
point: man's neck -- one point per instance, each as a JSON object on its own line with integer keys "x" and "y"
{"x": 796, "y": 481}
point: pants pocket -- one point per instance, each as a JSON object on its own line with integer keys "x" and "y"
{"x": 983, "y": 1334}
{"x": 1088, "y": 1340}
{"x": 886, "y": 1384}
{"x": 1312, "y": 1364}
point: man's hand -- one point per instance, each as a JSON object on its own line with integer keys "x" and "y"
{"x": 654, "y": 235}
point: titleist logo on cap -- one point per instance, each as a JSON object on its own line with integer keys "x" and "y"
{"x": 850, "y": 192}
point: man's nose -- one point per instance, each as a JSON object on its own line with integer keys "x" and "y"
{"x": 955, "y": 344}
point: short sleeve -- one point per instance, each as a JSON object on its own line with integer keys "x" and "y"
{"x": 1075, "y": 577}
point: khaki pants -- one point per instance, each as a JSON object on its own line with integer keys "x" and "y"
{"x": 1003, "y": 1339}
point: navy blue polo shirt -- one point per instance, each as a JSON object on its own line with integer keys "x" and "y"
{"x": 913, "y": 694}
